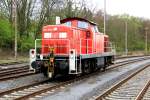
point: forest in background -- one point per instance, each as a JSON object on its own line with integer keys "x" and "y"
{"x": 33, "y": 14}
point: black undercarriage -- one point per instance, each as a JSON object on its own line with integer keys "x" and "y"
{"x": 61, "y": 65}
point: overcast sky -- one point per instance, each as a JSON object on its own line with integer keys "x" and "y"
{"x": 140, "y": 8}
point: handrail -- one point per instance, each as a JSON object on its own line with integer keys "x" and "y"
{"x": 64, "y": 49}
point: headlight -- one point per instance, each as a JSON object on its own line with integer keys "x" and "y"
{"x": 47, "y": 35}
{"x": 62, "y": 35}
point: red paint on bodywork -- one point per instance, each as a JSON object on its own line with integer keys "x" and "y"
{"x": 84, "y": 41}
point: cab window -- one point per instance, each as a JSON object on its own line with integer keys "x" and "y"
{"x": 67, "y": 23}
{"x": 82, "y": 24}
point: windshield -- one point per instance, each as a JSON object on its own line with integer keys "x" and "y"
{"x": 82, "y": 24}
{"x": 67, "y": 23}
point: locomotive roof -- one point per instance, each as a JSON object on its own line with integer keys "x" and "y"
{"x": 77, "y": 18}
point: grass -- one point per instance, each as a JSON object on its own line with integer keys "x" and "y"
{"x": 7, "y": 56}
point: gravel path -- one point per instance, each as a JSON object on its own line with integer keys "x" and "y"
{"x": 95, "y": 85}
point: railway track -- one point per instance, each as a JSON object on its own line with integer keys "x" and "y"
{"x": 40, "y": 89}
{"x": 15, "y": 72}
{"x": 130, "y": 56}
{"x": 130, "y": 88}
{"x": 11, "y": 63}
{"x": 145, "y": 93}
{"x": 10, "y": 67}
{"x": 130, "y": 61}
{"x": 16, "y": 75}
{"x": 140, "y": 58}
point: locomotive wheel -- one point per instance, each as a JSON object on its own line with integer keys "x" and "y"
{"x": 104, "y": 68}
{"x": 93, "y": 66}
{"x": 44, "y": 71}
{"x": 86, "y": 67}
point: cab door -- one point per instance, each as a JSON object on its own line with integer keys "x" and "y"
{"x": 76, "y": 40}
{"x": 88, "y": 42}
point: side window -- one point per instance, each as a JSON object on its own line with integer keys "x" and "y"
{"x": 68, "y": 23}
{"x": 95, "y": 29}
{"x": 82, "y": 24}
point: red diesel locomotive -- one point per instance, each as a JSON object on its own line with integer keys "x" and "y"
{"x": 73, "y": 47}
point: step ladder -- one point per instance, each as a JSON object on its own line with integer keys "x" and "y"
{"x": 74, "y": 62}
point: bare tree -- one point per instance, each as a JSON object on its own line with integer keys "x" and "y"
{"x": 45, "y": 13}
{"x": 40, "y": 12}
{"x": 24, "y": 13}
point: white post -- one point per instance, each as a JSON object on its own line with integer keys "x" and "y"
{"x": 15, "y": 25}
{"x": 146, "y": 39}
{"x": 126, "y": 37}
{"x": 104, "y": 16}
{"x": 35, "y": 47}
{"x": 57, "y": 20}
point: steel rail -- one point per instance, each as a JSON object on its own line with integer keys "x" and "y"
{"x": 18, "y": 75}
{"x": 12, "y": 63}
{"x": 143, "y": 91}
{"x": 132, "y": 56}
{"x": 21, "y": 88}
{"x": 13, "y": 71}
{"x": 133, "y": 60}
{"x": 11, "y": 68}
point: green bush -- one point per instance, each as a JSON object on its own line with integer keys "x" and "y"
{"x": 25, "y": 44}
{"x": 5, "y": 34}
